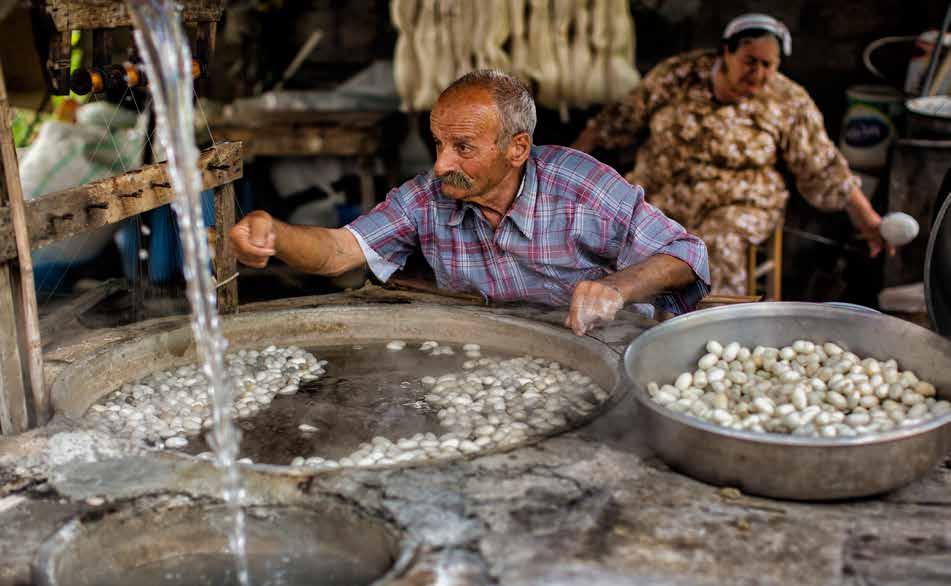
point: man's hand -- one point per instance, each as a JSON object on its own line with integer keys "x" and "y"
{"x": 254, "y": 239}
{"x": 592, "y": 302}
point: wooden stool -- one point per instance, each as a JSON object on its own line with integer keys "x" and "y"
{"x": 771, "y": 267}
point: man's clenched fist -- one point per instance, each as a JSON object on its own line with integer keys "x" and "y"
{"x": 254, "y": 239}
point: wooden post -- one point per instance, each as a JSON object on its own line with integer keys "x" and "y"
{"x": 14, "y": 416}
{"x": 751, "y": 269}
{"x": 367, "y": 192}
{"x": 17, "y": 293}
{"x": 776, "y": 288}
{"x": 226, "y": 264}
{"x": 58, "y": 63}
{"x": 102, "y": 47}
{"x": 205, "y": 37}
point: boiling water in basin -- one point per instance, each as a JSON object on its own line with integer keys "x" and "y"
{"x": 365, "y": 392}
{"x": 376, "y": 404}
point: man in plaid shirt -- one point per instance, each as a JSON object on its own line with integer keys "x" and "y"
{"x": 508, "y": 220}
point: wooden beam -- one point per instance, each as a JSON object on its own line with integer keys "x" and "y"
{"x": 101, "y": 47}
{"x": 92, "y": 14}
{"x": 776, "y": 289}
{"x": 20, "y": 289}
{"x": 367, "y": 190}
{"x": 226, "y": 263}
{"x": 713, "y": 300}
{"x": 302, "y": 140}
{"x": 58, "y": 62}
{"x": 244, "y": 114}
{"x": 66, "y": 213}
{"x": 205, "y": 37}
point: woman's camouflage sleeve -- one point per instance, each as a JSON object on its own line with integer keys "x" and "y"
{"x": 822, "y": 173}
{"x": 620, "y": 124}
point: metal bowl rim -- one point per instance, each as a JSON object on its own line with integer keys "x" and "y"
{"x": 944, "y": 214}
{"x": 774, "y": 438}
{"x": 616, "y": 393}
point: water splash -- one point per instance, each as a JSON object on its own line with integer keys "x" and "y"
{"x": 164, "y": 48}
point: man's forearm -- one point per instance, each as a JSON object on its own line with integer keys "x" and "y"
{"x": 323, "y": 251}
{"x": 643, "y": 282}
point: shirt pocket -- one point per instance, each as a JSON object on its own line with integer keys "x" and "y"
{"x": 560, "y": 253}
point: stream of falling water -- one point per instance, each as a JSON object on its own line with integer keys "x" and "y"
{"x": 164, "y": 48}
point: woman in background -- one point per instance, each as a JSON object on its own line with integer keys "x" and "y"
{"x": 711, "y": 128}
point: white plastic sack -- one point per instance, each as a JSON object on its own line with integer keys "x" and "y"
{"x": 105, "y": 141}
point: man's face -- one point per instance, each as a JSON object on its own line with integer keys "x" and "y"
{"x": 750, "y": 68}
{"x": 465, "y": 126}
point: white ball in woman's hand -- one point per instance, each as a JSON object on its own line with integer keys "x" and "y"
{"x": 898, "y": 228}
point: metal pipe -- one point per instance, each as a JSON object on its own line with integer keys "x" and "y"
{"x": 823, "y": 240}
{"x": 939, "y": 44}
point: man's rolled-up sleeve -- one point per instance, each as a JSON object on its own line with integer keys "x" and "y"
{"x": 388, "y": 234}
{"x": 645, "y": 231}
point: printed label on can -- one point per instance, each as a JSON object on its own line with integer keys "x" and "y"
{"x": 866, "y": 127}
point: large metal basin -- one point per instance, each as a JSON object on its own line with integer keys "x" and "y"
{"x": 784, "y": 466}
{"x": 355, "y": 417}
{"x": 99, "y": 373}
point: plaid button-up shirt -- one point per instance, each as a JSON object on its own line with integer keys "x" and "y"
{"x": 574, "y": 219}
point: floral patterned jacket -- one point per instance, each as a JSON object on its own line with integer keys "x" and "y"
{"x": 697, "y": 154}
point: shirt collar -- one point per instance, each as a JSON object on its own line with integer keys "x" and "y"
{"x": 458, "y": 213}
{"x": 522, "y": 212}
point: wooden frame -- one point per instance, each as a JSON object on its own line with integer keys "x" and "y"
{"x": 22, "y": 389}
{"x": 96, "y": 14}
{"x": 66, "y": 213}
{"x": 24, "y": 401}
{"x": 66, "y": 16}
{"x": 356, "y": 135}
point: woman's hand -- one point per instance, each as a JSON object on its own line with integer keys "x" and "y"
{"x": 867, "y": 221}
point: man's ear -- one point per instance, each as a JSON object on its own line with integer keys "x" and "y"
{"x": 519, "y": 149}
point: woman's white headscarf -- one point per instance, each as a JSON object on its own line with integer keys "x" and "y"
{"x": 760, "y": 21}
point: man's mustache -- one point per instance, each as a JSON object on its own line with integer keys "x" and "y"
{"x": 456, "y": 179}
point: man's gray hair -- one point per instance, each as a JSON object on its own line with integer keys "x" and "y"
{"x": 513, "y": 100}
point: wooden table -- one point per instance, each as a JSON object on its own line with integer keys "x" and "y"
{"x": 356, "y": 135}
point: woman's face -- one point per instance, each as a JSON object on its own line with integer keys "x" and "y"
{"x": 751, "y": 67}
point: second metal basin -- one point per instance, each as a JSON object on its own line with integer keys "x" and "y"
{"x": 785, "y": 466}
